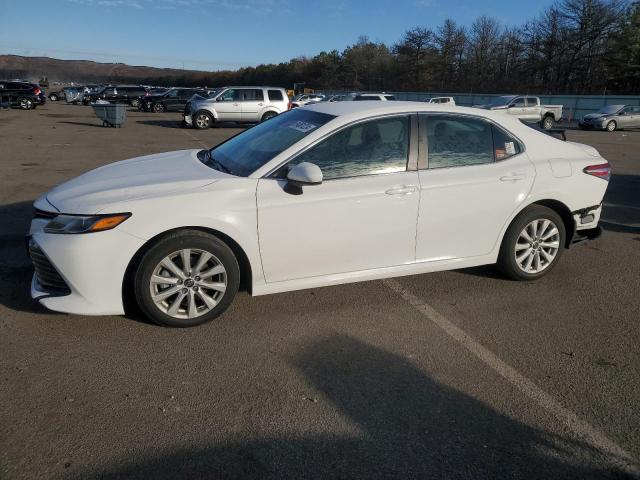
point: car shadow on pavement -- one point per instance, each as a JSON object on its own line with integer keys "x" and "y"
{"x": 15, "y": 267}
{"x": 621, "y": 211}
{"x": 84, "y": 124}
{"x": 402, "y": 422}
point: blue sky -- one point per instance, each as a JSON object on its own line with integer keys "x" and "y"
{"x": 224, "y": 34}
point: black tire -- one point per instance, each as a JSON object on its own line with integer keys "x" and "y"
{"x": 26, "y": 103}
{"x": 547, "y": 122}
{"x": 157, "y": 108}
{"x": 507, "y": 262}
{"x": 53, "y": 97}
{"x": 267, "y": 116}
{"x": 174, "y": 242}
{"x": 611, "y": 126}
{"x": 202, "y": 120}
{"x": 135, "y": 103}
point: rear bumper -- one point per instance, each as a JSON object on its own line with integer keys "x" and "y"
{"x": 586, "y": 222}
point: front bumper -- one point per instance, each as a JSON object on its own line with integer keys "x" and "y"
{"x": 187, "y": 120}
{"x": 92, "y": 266}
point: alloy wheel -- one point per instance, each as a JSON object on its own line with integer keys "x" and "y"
{"x": 188, "y": 283}
{"x": 202, "y": 120}
{"x": 537, "y": 246}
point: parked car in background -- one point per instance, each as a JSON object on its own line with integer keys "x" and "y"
{"x": 327, "y": 194}
{"x": 237, "y": 104}
{"x": 56, "y": 95}
{"x": 611, "y": 118}
{"x": 24, "y": 95}
{"x": 448, "y": 100}
{"x": 527, "y": 109}
{"x": 127, "y": 94}
{"x": 383, "y": 97}
{"x": 173, "y": 100}
{"x": 306, "y": 98}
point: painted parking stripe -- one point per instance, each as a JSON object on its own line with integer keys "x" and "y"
{"x": 583, "y": 430}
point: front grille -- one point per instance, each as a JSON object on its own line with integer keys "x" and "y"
{"x": 48, "y": 277}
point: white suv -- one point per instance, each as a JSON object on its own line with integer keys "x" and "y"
{"x": 236, "y": 104}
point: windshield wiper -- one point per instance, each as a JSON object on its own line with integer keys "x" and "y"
{"x": 218, "y": 165}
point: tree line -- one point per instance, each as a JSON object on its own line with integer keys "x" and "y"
{"x": 571, "y": 47}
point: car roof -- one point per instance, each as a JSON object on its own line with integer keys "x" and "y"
{"x": 364, "y": 109}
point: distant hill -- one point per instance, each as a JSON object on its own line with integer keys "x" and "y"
{"x": 56, "y": 70}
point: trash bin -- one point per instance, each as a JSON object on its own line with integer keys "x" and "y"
{"x": 111, "y": 114}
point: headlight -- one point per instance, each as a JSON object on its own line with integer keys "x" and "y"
{"x": 84, "y": 223}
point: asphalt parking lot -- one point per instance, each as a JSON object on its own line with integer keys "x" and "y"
{"x": 458, "y": 374}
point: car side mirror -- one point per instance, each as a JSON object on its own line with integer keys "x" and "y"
{"x": 622, "y": 113}
{"x": 304, "y": 173}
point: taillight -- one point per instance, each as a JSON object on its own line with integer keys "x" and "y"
{"x": 36, "y": 91}
{"x": 602, "y": 170}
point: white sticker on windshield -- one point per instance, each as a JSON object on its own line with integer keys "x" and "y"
{"x": 510, "y": 148}
{"x": 303, "y": 127}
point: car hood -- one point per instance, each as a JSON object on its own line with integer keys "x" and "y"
{"x": 596, "y": 116}
{"x": 143, "y": 177}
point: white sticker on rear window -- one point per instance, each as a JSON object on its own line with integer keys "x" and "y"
{"x": 510, "y": 148}
{"x": 303, "y": 127}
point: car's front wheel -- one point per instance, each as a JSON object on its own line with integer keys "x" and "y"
{"x": 532, "y": 244}
{"x": 158, "y": 108}
{"x": 186, "y": 279}
{"x": 202, "y": 120}
{"x": 611, "y": 126}
{"x": 135, "y": 103}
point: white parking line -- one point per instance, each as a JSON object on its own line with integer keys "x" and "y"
{"x": 583, "y": 430}
{"x": 189, "y": 134}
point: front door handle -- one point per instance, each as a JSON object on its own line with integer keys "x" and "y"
{"x": 513, "y": 177}
{"x": 402, "y": 190}
{"x": 260, "y": 104}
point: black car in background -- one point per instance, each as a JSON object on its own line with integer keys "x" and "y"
{"x": 24, "y": 95}
{"x": 173, "y": 100}
{"x": 128, "y": 94}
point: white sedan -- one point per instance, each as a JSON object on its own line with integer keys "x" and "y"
{"x": 321, "y": 195}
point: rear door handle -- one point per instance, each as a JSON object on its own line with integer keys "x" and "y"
{"x": 513, "y": 177}
{"x": 403, "y": 190}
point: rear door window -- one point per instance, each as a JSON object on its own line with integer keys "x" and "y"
{"x": 252, "y": 95}
{"x": 504, "y": 145}
{"x": 457, "y": 141}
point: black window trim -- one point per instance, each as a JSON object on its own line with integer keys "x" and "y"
{"x": 423, "y": 160}
{"x": 412, "y": 154}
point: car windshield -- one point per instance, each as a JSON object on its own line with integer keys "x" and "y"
{"x": 610, "y": 109}
{"x": 500, "y": 101}
{"x": 245, "y": 153}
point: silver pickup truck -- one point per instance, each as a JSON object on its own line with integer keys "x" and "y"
{"x": 527, "y": 109}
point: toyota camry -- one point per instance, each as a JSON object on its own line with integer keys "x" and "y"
{"x": 321, "y": 195}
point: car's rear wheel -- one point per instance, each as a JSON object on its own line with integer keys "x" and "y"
{"x": 202, "y": 120}
{"x": 547, "y": 122}
{"x": 53, "y": 97}
{"x": 611, "y": 126}
{"x": 186, "y": 279}
{"x": 267, "y": 116}
{"x": 158, "y": 107}
{"x": 135, "y": 103}
{"x": 532, "y": 244}
{"x": 25, "y": 103}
